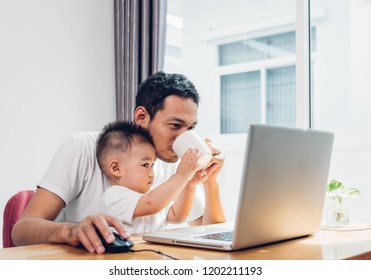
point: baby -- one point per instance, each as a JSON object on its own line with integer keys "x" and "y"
{"x": 126, "y": 156}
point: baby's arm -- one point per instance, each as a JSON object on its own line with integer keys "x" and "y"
{"x": 158, "y": 198}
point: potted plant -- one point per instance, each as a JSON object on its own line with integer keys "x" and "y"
{"x": 337, "y": 194}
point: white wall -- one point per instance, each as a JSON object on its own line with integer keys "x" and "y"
{"x": 56, "y": 78}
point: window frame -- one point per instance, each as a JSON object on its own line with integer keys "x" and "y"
{"x": 301, "y": 59}
{"x": 262, "y": 66}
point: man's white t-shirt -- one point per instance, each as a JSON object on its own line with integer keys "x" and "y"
{"x": 74, "y": 175}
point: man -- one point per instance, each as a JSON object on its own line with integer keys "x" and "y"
{"x": 65, "y": 206}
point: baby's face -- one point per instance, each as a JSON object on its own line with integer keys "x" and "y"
{"x": 137, "y": 166}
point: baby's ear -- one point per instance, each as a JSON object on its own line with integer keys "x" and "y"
{"x": 114, "y": 168}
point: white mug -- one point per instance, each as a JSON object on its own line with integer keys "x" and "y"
{"x": 190, "y": 139}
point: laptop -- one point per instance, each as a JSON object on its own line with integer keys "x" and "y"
{"x": 281, "y": 196}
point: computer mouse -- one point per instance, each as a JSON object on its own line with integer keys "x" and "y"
{"x": 119, "y": 245}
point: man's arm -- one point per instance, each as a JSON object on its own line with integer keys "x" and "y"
{"x": 37, "y": 225}
{"x": 213, "y": 212}
{"x": 182, "y": 206}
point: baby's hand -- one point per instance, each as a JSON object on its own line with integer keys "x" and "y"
{"x": 188, "y": 165}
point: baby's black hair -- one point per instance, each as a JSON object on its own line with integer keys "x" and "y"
{"x": 120, "y": 136}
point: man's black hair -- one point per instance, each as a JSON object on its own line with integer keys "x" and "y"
{"x": 152, "y": 92}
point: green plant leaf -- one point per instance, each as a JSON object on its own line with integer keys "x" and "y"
{"x": 334, "y": 185}
{"x": 341, "y": 189}
{"x": 353, "y": 191}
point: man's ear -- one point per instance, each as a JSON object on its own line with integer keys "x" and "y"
{"x": 115, "y": 168}
{"x": 141, "y": 117}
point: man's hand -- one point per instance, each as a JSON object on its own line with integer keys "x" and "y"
{"x": 37, "y": 225}
{"x": 216, "y": 162}
{"x": 85, "y": 233}
{"x": 211, "y": 171}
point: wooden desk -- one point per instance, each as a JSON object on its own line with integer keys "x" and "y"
{"x": 324, "y": 244}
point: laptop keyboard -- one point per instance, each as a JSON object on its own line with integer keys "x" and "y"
{"x": 223, "y": 236}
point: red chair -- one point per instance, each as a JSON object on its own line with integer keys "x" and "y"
{"x": 12, "y": 212}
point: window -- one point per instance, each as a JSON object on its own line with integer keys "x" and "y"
{"x": 280, "y": 104}
{"x": 240, "y": 101}
{"x": 266, "y": 92}
{"x": 263, "y": 94}
{"x": 243, "y": 43}
{"x": 278, "y": 45}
